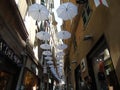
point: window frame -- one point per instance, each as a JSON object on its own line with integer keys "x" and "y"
{"x": 85, "y": 15}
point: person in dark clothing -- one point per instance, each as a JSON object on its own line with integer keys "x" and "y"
{"x": 102, "y": 80}
{"x": 102, "y": 76}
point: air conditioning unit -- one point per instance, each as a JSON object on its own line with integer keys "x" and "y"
{"x": 81, "y": 1}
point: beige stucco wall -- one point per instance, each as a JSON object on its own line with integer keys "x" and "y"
{"x": 22, "y": 6}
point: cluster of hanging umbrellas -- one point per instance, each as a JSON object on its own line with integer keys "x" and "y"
{"x": 65, "y": 11}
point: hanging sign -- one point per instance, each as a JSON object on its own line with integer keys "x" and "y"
{"x": 8, "y": 52}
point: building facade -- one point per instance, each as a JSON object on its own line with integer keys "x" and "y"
{"x": 19, "y": 66}
{"x": 95, "y": 40}
{"x": 13, "y": 37}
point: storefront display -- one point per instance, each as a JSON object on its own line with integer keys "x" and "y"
{"x": 30, "y": 81}
{"x": 9, "y": 67}
{"x": 101, "y": 68}
{"x": 4, "y": 80}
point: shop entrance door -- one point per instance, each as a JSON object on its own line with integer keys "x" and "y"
{"x": 78, "y": 78}
{"x": 100, "y": 67}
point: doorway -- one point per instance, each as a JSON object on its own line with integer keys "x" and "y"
{"x": 78, "y": 78}
{"x": 100, "y": 67}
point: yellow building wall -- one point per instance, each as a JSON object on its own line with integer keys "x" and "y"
{"x": 103, "y": 20}
{"x": 113, "y": 34}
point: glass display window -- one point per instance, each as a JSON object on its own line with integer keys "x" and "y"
{"x": 4, "y": 80}
{"x": 30, "y": 81}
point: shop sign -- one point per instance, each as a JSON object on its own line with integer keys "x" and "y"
{"x": 8, "y": 52}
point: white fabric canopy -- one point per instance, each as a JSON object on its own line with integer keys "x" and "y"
{"x": 67, "y": 11}
{"x": 38, "y": 12}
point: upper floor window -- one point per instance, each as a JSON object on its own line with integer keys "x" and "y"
{"x": 86, "y": 13}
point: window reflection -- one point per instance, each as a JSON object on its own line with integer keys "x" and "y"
{"x": 4, "y": 80}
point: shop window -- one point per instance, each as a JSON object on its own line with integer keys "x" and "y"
{"x": 104, "y": 70}
{"x": 86, "y": 13}
{"x": 5, "y": 80}
{"x": 30, "y": 81}
{"x": 100, "y": 67}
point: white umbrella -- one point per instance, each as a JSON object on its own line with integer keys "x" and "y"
{"x": 47, "y": 53}
{"x": 60, "y": 53}
{"x": 62, "y": 46}
{"x": 59, "y": 57}
{"x": 38, "y": 12}
{"x": 49, "y": 62}
{"x": 45, "y": 46}
{"x": 42, "y": 35}
{"x": 51, "y": 66}
{"x": 67, "y": 11}
{"x": 63, "y": 35}
{"x": 59, "y": 62}
{"x": 48, "y": 58}
{"x": 44, "y": 69}
{"x": 60, "y": 65}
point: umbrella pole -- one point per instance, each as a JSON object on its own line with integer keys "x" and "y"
{"x": 37, "y": 26}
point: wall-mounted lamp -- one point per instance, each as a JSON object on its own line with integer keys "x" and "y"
{"x": 88, "y": 37}
{"x": 74, "y": 62}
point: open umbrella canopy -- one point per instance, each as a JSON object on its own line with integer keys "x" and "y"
{"x": 38, "y": 12}
{"x": 42, "y": 35}
{"x": 59, "y": 58}
{"x": 51, "y": 66}
{"x": 59, "y": 62}
{"x": 62, "y": 46}
{"x": 44, "y": 69}
{"x": 45, "y": 46}
{"x": 48, "y": 58}
{"x": 61, "y": 53}
{"x": 63, "y": 35}
{"x": 67, "y": 11}
{"x": 47, "y": 53}
{"x": 49, "y": 62}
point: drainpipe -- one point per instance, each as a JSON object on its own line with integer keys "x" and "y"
{"x": 19, "y": 83}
